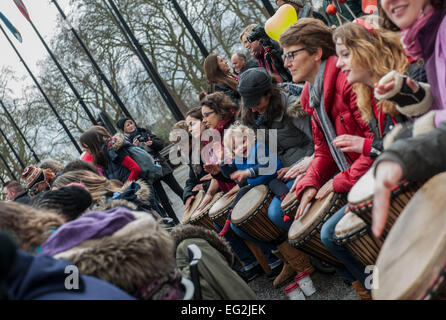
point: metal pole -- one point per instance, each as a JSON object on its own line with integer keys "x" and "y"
{"x": 70, "y": 84}
{"x": 43, "y": 93}
{"x": 20, "y": 132}
{"x": 12, "y": 148}
{"x": 171, "y": 104}
{"x": 95, "y": 65}
{"x": 7, "y": 167}
{"x": 191, "y": 29}
{"x": 269, "y": 7}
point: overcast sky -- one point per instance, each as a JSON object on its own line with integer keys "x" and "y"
{"x": 44, "y": 16}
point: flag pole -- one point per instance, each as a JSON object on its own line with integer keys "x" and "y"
{"x": 43, "y": 93}
{"x": 137, "y": 48}
{"x": 191, "y": 29}
{"x": 95, "y": 65}
{"x": 20, "y": 132}
{"x": 12, "y": 148}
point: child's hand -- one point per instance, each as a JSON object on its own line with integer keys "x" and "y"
{"x": 239, "y": 175}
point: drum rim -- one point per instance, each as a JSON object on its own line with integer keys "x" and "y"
{"x": 189, "y": 213}
{"x": 268, "y": 195}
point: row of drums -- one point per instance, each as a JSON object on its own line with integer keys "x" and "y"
{"x": 409, "y": 258}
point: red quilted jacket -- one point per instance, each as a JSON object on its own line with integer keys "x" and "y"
{"x": 340, "y": 104}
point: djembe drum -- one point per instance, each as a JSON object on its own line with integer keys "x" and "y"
{"x": 193, "y": 206}
{"x": 290, "y": 204}
{"x": 201, "y": 217}
{"x": 220, "y": 210}
{"x": 412, "y": 261}
{"x": 251, "y": 215}
{"x": 354, "y": 234}
{"x": 305, "y": 233}
{"x": 360, "y": 199}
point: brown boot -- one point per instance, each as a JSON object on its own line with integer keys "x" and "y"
{"x": 361, "y": 291}
{"x": 297, "y": 259}
{"x": 286, "y": 274}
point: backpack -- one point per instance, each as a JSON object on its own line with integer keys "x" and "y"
{"x": 150, "y": 169}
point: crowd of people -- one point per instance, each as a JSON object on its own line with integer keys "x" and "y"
{"x": 307, "y": 116}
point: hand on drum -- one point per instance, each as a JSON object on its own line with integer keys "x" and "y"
{"x": 206, "y": 177}
{"x": 298, "y": 168}
{"x": 387, "y": 176}
{"x": 188, "y": 202}
{"x": 349, "y": 143}
{"x": 293, "y": 188}
{"x": 307, "y": 196}
{"x": 212, "y": 168}
{"x": 234, "y": 190}
{"x": 281, "y": 173}
{"x": 207, "y": 198}
{"x": 325, "y": 190}
{"x": 239, "y": 175}
{"x": 386, "y": 87}
{"x": 198, "y": 187}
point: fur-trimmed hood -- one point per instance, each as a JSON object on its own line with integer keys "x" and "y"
{"x": 189, "y": 231}
{"x": 117, "y": 141}
{"x": 130, "y": 258}
{"x": 296, "y": 110}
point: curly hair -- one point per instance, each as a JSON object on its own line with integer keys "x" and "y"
{"x": 379, "y": 52}
{"x": 97, "y": 185}
{"x": 31, "y": 227}
{"x": 221, "y": 104}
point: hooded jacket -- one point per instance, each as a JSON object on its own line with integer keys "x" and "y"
{"x": 340, "y": 105}
{"x": 217, "y": 280}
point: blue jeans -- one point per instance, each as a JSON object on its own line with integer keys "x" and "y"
{"x": 275, "y": 213}
{"x": 353, "y": 270}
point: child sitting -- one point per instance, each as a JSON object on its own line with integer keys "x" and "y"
{"x": 249, "y": 160}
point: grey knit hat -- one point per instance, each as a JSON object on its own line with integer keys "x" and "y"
{"x": 253, "y": 84}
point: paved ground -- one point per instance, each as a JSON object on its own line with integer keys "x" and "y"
{"x": 329, "y": 287}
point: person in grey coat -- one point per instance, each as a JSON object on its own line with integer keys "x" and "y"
{"x": 417, "y": 158}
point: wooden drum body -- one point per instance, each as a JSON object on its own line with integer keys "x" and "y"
{"x": 360, "y": 199}
{"x": 305, "y": 233}
{"x": 412, "y": 261}
{"x": 220, "y": 210}
{"x": 354, "y": 234}
{"x": 201, "y": 217}
{"x": 251, "y": 215}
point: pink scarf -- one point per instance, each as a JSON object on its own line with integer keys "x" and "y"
{"x": 409, "y": 39}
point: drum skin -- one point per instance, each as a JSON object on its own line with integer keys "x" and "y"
{"x": 412, "y": 261}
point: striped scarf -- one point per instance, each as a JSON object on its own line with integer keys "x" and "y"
{"x": 409, "y": 35}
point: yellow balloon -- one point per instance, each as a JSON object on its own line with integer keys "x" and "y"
{"x": 284, "y": 17}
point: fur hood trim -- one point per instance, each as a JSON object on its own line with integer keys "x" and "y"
{"x": 143, "y": 193}
{"x": 117, "y": 141}
{"x": 296, "y": 110}
{"x": 189, "y": 231}
{"x": 130, "y": 258}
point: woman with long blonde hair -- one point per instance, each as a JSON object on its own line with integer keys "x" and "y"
{"x": 365, "y": 55}
{"x": 29, "y": 226}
